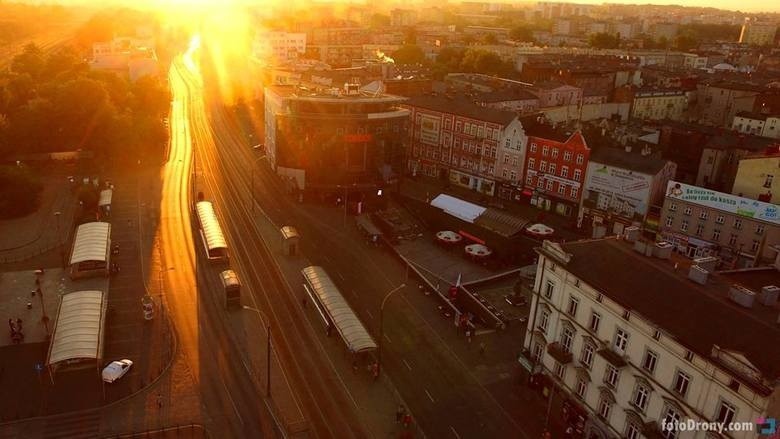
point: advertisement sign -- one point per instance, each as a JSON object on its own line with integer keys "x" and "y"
{"x": 429, "y": 129}
{"x": 625, "y": 192}
{"x": 726, "y": 202}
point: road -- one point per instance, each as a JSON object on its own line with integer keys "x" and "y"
{"x": 318, "y": 392}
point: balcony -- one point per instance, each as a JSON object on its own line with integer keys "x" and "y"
{"x": 559, "y": 353}
{"x": 613, "y": 357}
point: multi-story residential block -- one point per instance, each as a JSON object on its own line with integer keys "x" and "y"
{"x": 556, "y": 94}
{"x": 555, "y": 169}
{"x": 658, "y": 104}
{"x": 621, "y": 185}
{"x": 517, "y": 99}
{"x": 131, "y": 57}
{"x": 759, "y": 124}
{"x": 551, "y": 10}
{"x": 278, "y": 47}
{"x": 403, "y": 17}
{"x": 471, "y": 146}
{"x": 718, "y": 102}
{"x": 323, "y": 140}
{"x": 755, "y": 177}
{"x": 757, "y": 33}
{"x": 701, "y": 222}
{"x": 665, "y": 30}
{"x": 337, "y": 46}
{"x": 721, "y": 156}
{"x": 613, "y": 330}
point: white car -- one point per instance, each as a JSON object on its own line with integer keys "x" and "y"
{"x": 116, "y": 370}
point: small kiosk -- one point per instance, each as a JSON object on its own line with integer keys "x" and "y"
{"x": 290, "y": 240}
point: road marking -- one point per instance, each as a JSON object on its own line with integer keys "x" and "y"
{"x": 340, "y": 275}
{"x": 406, "y": 364}
{"x": 235, "y": 408}
{"x": 388, "y": 339}
{"x": 431, "y": 398}
{"x": 454, "y": 432}
{"x": 369, "y": 314}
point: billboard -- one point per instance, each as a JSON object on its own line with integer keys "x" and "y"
{"x": 618, "y": 190}
{"x": 429, "y": 129}
{"x": 726, "y": 202}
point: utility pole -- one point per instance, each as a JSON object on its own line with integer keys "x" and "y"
{"x": 381, "y": 325}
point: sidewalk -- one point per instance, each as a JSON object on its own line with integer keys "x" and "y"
{"x": 426, "y": 188}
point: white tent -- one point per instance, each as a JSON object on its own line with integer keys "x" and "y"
{"x": 79, "y": 329}
{"x": 458, "y": 208}
{"x": 91, "y": 243}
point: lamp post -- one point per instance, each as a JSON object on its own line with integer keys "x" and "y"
{"x": 381, "y": 325}
{"x": 267, "y": 348}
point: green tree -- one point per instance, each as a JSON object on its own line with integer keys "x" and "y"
{"x": 490, "y": 39}
{"x": 29, "y": 62}
{"x": 686, "y": 42}
{"x": 521, "y": 33}
{"x": 409, "y": 54}
{"x": 20, "y": 190}
{"x": 603, "y": 40}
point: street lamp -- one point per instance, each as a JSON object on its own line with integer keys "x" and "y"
{"x": 381, "y": 326}
{"x": 267, "y": 348}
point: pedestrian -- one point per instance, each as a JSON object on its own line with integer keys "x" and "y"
{"x": 468, "y": 335}
{"x": 375, "y": 370}
{"x": 11, "y": 325}
{"x": 159, "y": 400}
{"x": 482, "y": 348}
{"x": 399, "y": 414}
{"x": 19, "y": 325}
{"x": 407, "y": 420}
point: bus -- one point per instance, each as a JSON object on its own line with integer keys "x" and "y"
{"x": 211, "y": 233}
{"x": 232, "y": 287}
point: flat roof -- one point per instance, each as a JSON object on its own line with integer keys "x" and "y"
{"x": 635, "y": 161}
{"x": 654, "y": 289}
{"x": 461, "y": 107}
{"x": 91, "y": 242}
{"x": 78, "y": 332}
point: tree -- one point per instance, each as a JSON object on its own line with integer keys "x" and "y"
{"x": 29, "y": 62}
{"x": 409, "y": 54}
{"x": 20, "y": 190}
{"x": 490, "y": 39}
{"x": 603, "y": 40}
{"x": 521, "y": 33}
{"x": 686, "y": 42}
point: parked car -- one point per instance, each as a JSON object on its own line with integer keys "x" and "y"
{"x": 116, "y": 369}
{"x": 515, "y": 300}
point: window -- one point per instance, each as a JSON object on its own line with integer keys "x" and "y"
{"x": 586, "y": 357}
{"x": 539, "y": 182}
{"x": 641, "y": 396}
{"x": 669, "y": 221}
{"x": 554, "y": 153}
{"x": 605, "y": 406}
{"x": 549, "y": 185}
{"x": 538, "y": 352}
{"x": 545, "y": 150}
{"x": 561, "y": 189}
{"x": 544, "y": 319}
{"x": 681, "y": 383}
{"x": 529, "y": 179}
{"x": 574, "y": 192}
{"x": 573, "y": 304}
{"x": 716, "y": 235}
{"x": 550, "y": 288}
{"x": 542, "y": 166}
{"x": 621, "y": 340}
{"x": 506, "y": 159}
{"x": 565, "y": 171}
{"x": 699, "y": 229}
{"x": 725, "y": 414}
{"x": 688, "y": 356}
{"x": 560, "y": 370}
{"x": 595, "y": 319}
{"x": 612, "y": 376}
{"x": 754, "y": 246}
{"x": 684, "y": 226}
{"x": 649, "y": 362}
{"x": 567, "y": 335}
{"x": 581, "y": 388}
{"x": 768, "y": 181}
{"x": 738, "y": 224}
{"x": 514, "y": 160}
{"x": 687, "y": 211}
{"x": 599, "y": 297}
{"x": 580, "y": 159}
{"x": 720, "y": 219}
{"x": 673, "y": 207}
{"x": 533, "y": 147}
{"x": 671, "y": 419}
{"x": 577, "y": 174}
{"x": 531, "y": 163}
{"x": 703, "y": 214}
{"x": 760, "y": 229}
{"x": 633, "y": 431}
{"x": 656, "y": 335}
{"x": 552, "y": 168}
{"x": 505, "y": 174}
{"x": 567, "y": 156}
{"x": 733, "y": 239}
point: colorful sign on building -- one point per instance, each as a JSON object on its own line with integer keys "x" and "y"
{"x": 726, "y": 202}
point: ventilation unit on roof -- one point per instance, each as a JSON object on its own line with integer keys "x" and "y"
{"x": 742, "y": 296}
{"x": 698, "y": 274}
{"x": 632, "y": 233}
{"x": 662, "y": 250}
{"x": 768, "y": 295}
{"x": 709, "y": 263}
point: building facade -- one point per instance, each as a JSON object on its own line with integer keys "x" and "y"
{"x": 718, "y": 102}
{"x": 617, "y": 346}
{"x": 702, "y": 222}
{"x": 758, "y": 124}
{"x": 755, "y": 178}
{"x": 555, "y": 173}
{"x": 322, "y": 141}
{"x": 479, "y": 148}
{"x": 279, "y": 47}
{"x": 659, "y": 104}
{"x": 756, "y": 33}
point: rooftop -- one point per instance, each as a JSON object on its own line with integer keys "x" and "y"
{"x": 634, "y": 161}
{"x": 462, "y": 107}
{"x": 633, "y": 281}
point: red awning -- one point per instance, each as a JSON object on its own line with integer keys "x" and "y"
{"x": 471, "y": 237}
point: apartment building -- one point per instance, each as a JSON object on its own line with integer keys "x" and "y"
{"x": 659, "y": 104}
{"x": 611, "y": 328}
{"x": 757, "y": 33}
{"x": 472, "y": 146}
{"x": 759, "y": 124}
{"x": 702, "y": 222}
{"x": 278, "y": 47}
{"x": 755, "y": 177}
{"x": 718, "y": 102}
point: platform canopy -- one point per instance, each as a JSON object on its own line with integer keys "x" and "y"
{"x": 79, "y": 329}
{"x": 458, "y": 208}
{"x": 105, "y": 197}
{"x": 91, "y": 243}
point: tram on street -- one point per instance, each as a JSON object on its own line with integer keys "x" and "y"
{"x": 211, "y": 232}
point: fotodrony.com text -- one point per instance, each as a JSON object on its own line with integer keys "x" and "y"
{"x": 720, "y": 427}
